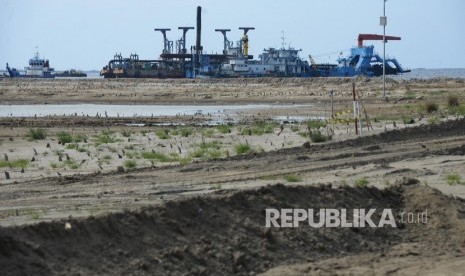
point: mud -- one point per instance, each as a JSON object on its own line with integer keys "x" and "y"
{"x": 224, "y": 234}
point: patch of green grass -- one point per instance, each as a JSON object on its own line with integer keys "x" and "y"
{"x": 217, "y": 186}
{"x": 294, "y": 128}
{"x": 18, "y": 163}
{"x": 185, "y": 160}
{"x": 78, "y": 138}
{"x": 317, "y": 137}
{"x": 214, "y": 154}
{"x": 130, "y": 164}
{"x": 60, "y": 153}
{"x": 259, "y": 128}
{"x": 243, "y": 148}
{"x": 106, "y": 138}
{"x": 224, "y": 129}
{"x": 160, "y": 156}
{"x": 107, "y": 157}
{"x": 185, "y": 131}
{"x": 37, "y": 134}
{"x": 132, "y": 154}
{"x": 174, "y": 132}
{"x": 198, "y": 153}
{"x": 292, "y": 178}
{"x": 55, "y": 165}
{"x": 453, "y": 179}
{"x": 459, "y": 110}
{"x": 208, "y": 132}
{"x": 64, "y": 137}
{"x": 72, "y": 146}
{"x": 72, "y": 164}
{"x": 162, "y": 134}
{"x": 269, "y": 177}
{"x": 361, "y": 182}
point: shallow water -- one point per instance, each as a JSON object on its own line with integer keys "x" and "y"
{"x": 114, "y": 111}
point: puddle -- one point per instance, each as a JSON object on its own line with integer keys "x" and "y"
{"x": 129, "y": 111}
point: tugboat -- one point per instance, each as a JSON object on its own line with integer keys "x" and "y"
{"x": 38, "y": 68}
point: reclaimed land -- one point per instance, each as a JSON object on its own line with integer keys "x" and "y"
{"x": 98, "y": 196}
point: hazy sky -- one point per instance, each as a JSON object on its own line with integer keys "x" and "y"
{"x": 85, "y": 34}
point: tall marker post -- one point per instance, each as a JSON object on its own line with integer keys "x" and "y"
{"x": 383, "y": 22}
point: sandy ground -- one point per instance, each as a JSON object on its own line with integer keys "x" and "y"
{"x": 110, "y": 168}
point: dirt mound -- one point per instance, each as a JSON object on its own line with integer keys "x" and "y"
{"x": 225, "y": 234}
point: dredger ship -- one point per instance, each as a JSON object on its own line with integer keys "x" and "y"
{"x": 176, "y": 61}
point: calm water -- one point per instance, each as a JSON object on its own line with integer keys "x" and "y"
{"x": 432, "y": 73}
{"x": 114, "y": 110}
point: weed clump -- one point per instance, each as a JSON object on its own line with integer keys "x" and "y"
{"x": 318, "y": 137}
{"x": 431, "y": 107}
{"x": 243, "y": 148}
{"x": 37, "y": 134}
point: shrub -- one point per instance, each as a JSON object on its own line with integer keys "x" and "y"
{"x": 130, "y": 164}
{"x": 185, "y": 131}
{"x": 242, "y": 148}
{"x": 224, "y": 129}
{"x": 318, "y": 137}
{"x": 431, "y": 107}
{"x": 37, "y": 134}
{"x": 361, "y": 182}
{"x": 64, "y": 137}
{"x": 208, "y": 133}
{"x": 259, "y": 128}
{"x": 453, "y": 101}
{"x": 161, "y": 134}
{"x": 453, "y": 179}
{"x": 72, "y": 146}
{"x": 106, "y": 138}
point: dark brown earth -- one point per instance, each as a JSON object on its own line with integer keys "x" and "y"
{"x": 224, "y": 234}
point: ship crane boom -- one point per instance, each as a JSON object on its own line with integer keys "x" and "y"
{"x": 362, "y": 37}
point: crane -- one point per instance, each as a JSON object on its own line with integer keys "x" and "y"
{"x": 362, "y": 37}
{"x": 245, "y": 39}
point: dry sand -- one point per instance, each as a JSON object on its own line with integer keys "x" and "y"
{"x": 202, "y": 213}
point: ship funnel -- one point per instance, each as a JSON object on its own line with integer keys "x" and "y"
{"x": 198, "y": 47}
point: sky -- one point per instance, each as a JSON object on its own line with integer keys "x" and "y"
{"x": 85, "y": 34}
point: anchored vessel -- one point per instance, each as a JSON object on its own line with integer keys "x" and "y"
{"x": 234, "y": 61}
{"x": 38, "y": 68}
